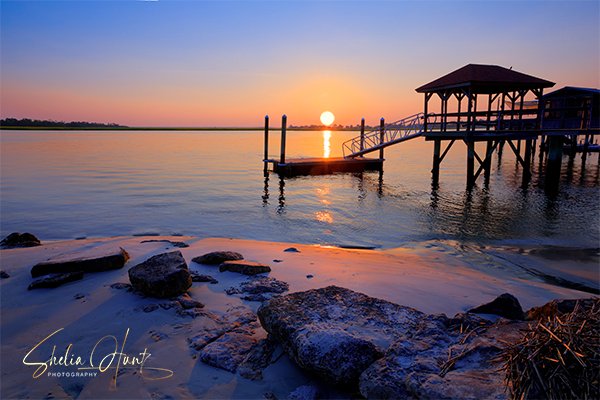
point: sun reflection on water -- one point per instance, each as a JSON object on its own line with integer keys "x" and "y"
{"x": 326, "y": 144}
{"x": 324, "y": 216}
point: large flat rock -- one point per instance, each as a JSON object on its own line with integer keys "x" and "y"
{"x": 101, "y": 262}
{"x": 217, "y": 257}
{"x": 163, "y": 275}
{"x": 335, "y": 332}
{"x": 244, "y": 267}
{"x": 389, "y": 351}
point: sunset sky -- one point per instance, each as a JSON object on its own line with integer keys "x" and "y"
{"x": 200, "y": 63}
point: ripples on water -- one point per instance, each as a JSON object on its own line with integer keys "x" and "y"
{"x": 70, "y": 184}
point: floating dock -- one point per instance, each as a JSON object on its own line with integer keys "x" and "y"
{"x": 323, "y": 166}
{"x": 316, "y": 165}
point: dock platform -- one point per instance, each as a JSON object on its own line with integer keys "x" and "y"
{"x": 323, "y": 166}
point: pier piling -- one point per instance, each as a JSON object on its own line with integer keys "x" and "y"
{"x": 381, "y": 136}
{"x": 362, "y": 134}
{"x": 435, "y": 171}
{"x": 266, "y": 152}
{"x": 470, "y": 163}
{"x": 487, "y": 167}
{"x": 283, "y": 133}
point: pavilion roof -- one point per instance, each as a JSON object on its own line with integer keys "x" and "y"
{"x": 573, "y": 91}
{"x": 485, "y": 79}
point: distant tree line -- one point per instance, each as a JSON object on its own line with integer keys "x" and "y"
{"x": 37, "y": 123}
{"x": 334, "y": 127}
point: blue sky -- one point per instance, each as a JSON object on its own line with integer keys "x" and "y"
{"x": 229, "y": 63}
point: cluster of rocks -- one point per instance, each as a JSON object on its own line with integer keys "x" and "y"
{"x": 381, "y": 349}
{"x": 386, "y": 350}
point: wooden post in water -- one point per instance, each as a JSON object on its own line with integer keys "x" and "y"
{"x": 586, "y": 144}
{"x": 266, "y": 153}
{"x": 527, "y": 159}
{"x": 437, "y": 147}
{"x": 470, "y": 163}
{"x": 470, "y": 143}
{"x": 487, "y": 168}
{"x": 381, "y": 136}
{"x": 283, "y": 132}
{"x": 362, "y": 134}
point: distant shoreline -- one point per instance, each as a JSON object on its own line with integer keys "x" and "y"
{"x": 141, "y": 128}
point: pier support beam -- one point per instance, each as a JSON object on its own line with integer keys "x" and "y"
{"x": 487, "y": 167}
{"x": 266, "y": 153}
{"x": 381, "y": 136}
{"x": 435, "y": 171}
{"x": 585, "y": 148}
{"x": 362, "y": 134}
{"x": 470, "y": 163}
{"x": 527, "y": 162}
{"x": 283, "y": 133}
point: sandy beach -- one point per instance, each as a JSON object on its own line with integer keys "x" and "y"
{"x": 86, "y": 311}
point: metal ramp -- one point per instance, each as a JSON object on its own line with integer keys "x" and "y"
{"x": 396, "y": 132}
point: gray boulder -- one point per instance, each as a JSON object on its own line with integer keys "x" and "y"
{"x": 244, "y": 267}
{"x": 335, "y": 332}
{"x": 16, "y": 240}
{"x": 63, "y": 264}
{"x": 4, "y": 275}
{"x": 164, "y": 275}
{"x": 217, "y": 257}
{"x": 55, "y": 280}
{"x": 506, "y": 305}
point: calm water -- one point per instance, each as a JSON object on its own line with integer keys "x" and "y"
{"x": 70, "y": 184}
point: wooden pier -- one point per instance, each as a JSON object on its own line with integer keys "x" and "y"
{"x": 477, "y": 103}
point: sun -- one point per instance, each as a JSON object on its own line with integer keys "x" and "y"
{"x": 327, "y": 118}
